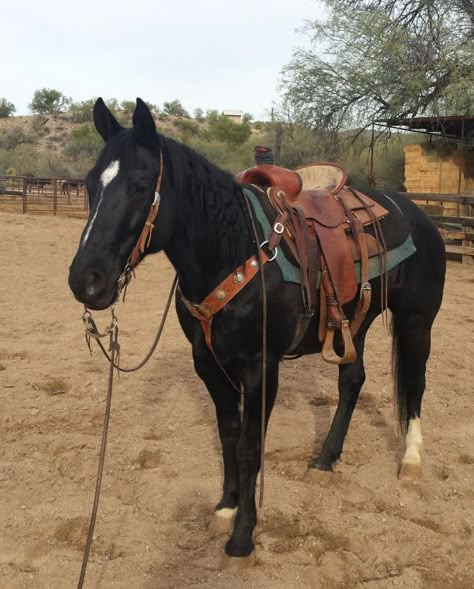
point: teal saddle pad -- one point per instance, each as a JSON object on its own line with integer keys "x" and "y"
{"x": 290, "y": 271}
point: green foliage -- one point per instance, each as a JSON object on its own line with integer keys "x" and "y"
{"x": 84, "y": 142}
{"x": 6, "y": 108}
{"x": 226, "y": 130}
{"x": 112, "y": 104}
{"x": 381, "y": 59}
{"x": 23, "y": 158}
{"x": 175, "y": 108}
{"x": 128, "y": 106}
{"x": 187, "y": 129}
{"x": 82, "y": 111}
{"x": 9, "y": 139}
{"x": 48, "y": 101}
{"x": 228, "y": 157}
{"x": 199, "y": 114}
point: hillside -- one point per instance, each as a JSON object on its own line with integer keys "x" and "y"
{"x": 48, "y": 145}
{"x": 59, "y": 145}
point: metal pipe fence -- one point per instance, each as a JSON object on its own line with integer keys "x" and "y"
{"x": 57, "y": 196}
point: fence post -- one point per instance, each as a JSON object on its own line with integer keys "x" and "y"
{"x": 55, "y": 196}
{"x": 467, "y": 211}
{"x": 25, "y": 192}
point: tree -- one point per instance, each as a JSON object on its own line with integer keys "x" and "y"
{"x": 199, "y": 114}
{"x": 175, "y": 108}
{"x": 48, "y": 101}
{"x": 6, "y": 108}
{"x": 384, "y": 59}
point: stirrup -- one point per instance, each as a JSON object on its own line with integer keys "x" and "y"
{"x": 328, "y": 353}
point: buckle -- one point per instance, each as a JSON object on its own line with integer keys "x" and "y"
{"x": 278, "y": 228}
{"x": 366, "y": 287}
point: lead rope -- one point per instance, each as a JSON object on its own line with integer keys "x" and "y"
{"x": 92, "y": 332}
{"x": 114, "y": 349}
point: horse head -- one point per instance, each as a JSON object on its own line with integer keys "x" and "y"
{"x": 121, "y": 188}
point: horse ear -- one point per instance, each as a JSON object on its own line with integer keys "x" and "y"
{"x": 144, "y": 124}
{"x": 104, "y": 121}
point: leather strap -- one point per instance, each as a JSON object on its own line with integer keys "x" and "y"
{"x": 145, "y": 236}
{"x": 223, "y": 294}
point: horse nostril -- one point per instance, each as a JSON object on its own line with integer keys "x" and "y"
{"x": 94, "y": 283}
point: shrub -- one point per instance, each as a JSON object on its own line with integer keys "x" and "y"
{"x": 186, "y": 128}
{"x": 175, "y": 108}
{"x": 224, "y": 129}
{"x": 6, "y": 108}
{"x": 82, "y": 111}
{"x": 84, "y": 142}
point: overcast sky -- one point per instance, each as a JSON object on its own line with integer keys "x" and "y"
{"x": 207, "y": 53}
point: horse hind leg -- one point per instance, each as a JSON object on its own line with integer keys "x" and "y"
{"x": 411, "y": 349}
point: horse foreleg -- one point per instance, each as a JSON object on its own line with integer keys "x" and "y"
{"x": 226, "y": 400}
{"x": 240, "y": 549}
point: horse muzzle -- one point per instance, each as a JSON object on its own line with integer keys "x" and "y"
{"x": 92, "y": 288}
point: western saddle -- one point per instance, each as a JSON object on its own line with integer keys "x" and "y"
{"x": 322, "y": 220}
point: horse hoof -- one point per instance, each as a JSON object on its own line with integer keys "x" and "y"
{"x": 410, "y": 472}
{"x": 222, "y": 521}
{"x": 237, "y": 563}
{"x": 320, "y": 475}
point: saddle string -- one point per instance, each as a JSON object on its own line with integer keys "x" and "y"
{"x": 264, "y": 353}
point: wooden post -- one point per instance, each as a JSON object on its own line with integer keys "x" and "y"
{"x": 461, "y": 158}
{"x": 25, "y": 194}
{"x": 278, "y": 139}
{"x": 467, "y": 210}
{"x": 55, "y": 196}
{"x": 371, "y": 171}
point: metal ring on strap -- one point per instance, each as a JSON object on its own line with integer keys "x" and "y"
{"x": 274, "y": 255}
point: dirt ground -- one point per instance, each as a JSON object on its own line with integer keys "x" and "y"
{"x": 359, "y": 527}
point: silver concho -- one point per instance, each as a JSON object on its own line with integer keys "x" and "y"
{"x": 220, "y": 295}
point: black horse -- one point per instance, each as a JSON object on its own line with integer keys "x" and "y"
{"x": 204, "y": 227}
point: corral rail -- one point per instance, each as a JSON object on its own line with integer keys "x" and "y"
{"x": 457, "y": 230}
{"x": 63, "y": 196}
{"x": 68, "y": 196}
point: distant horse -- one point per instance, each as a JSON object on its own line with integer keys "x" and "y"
{"x": 204, "y": 227}
{"x": 37, "y": 185}
{"x": 70, "y": 185}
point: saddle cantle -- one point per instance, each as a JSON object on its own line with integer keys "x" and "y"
{"x": 322, "y": 220}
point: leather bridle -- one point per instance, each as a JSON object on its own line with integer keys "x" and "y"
{"x": 144, "y": 238}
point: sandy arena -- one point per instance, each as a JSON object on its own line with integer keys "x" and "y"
{"x": 359, "y": 527}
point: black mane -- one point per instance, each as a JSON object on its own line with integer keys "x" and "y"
{"x": 213, "y": 203}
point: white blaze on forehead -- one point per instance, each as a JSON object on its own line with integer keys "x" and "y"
{"x": 106, "y": 178}
{"x": 110, "y": 172}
